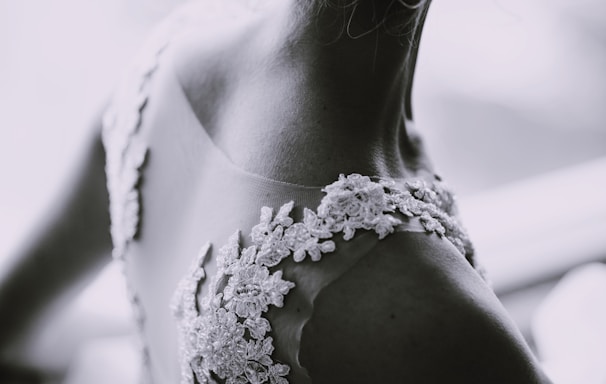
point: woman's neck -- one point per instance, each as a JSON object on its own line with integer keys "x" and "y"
{"x": 335, "y": 99}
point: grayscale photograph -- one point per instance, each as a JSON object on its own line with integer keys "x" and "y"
{"x": 303, "y": 191}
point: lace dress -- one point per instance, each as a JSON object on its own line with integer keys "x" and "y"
{"x": 245, "y": 328}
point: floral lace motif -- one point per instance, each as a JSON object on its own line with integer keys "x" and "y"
{"x": 227, "y": 338}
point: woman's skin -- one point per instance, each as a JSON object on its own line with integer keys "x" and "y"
{"x": 61, "y": 258}
{"x": 412, "y": 311}
{"x": 288, "y": 95}
{"x": 331, "y": 103}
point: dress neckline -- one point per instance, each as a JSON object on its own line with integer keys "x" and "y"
{"x": 224, "y": 158}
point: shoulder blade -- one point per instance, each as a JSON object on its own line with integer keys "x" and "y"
{"x": 413, "y": 311}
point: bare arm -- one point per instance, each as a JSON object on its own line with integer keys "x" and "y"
{"x": 61, "y": 258}
{"x": 414, "y": 311}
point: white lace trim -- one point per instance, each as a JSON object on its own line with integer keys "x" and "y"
{"x": 126, "y": 152}
{"x": 125, "y": 155}
{"x": 227, "y": 338}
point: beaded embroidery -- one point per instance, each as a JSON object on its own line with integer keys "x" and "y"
{"x": 226, "y": 337}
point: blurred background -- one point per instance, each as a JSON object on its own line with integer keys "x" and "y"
{"x": 511, "y": 96}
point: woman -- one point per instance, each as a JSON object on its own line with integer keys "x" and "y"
{"x": 297, "y": 112}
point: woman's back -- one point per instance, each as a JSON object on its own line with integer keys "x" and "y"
{"x": 228, "y": 116}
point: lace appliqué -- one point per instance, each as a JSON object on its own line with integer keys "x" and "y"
{"x": 434, "y": 205}
{"x": 125, "y": 156}
{"x": 125, "y": 150}
{"x": 226, "y": 338}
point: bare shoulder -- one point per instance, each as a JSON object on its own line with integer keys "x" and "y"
{"x": 413, "y": 310}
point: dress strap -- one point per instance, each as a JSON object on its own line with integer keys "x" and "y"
{"x": 126, "y": 152}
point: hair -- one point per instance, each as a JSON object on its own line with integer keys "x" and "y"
{"x": 398, "y": 18}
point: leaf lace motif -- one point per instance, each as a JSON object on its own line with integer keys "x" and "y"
{"x": 126, "y": 152}
{"x": 227, "y": 336}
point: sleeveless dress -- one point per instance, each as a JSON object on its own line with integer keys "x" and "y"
{"x": 247, "y": 326}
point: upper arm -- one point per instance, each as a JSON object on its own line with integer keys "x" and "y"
{"x": 413, "y": 311}
{"x": 71, "y": 243}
